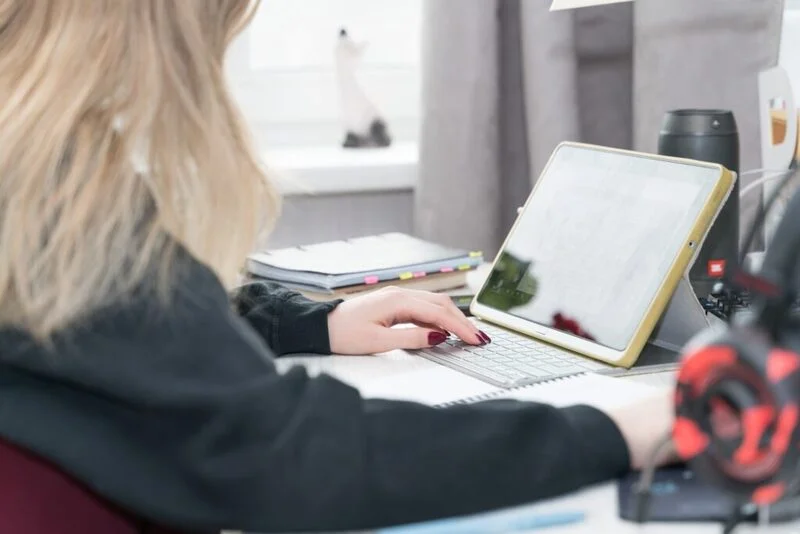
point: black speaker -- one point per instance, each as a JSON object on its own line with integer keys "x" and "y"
{"x": 708, "y": 135}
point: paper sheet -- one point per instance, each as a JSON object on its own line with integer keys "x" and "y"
{"x": 591, "y": 389}
{"x": 396, "y": 375}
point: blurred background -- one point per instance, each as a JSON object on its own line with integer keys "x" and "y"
{"x": 476, "y": 94}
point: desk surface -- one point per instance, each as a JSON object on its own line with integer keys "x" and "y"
{"x": 401, "y": 375}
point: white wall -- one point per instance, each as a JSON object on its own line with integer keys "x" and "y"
{"x": 282, "y": 73}
{"x": 282, "y": 67}
{"x": 312, "y": 219}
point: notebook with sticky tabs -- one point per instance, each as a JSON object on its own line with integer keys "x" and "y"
{"x": 369, "y": 260}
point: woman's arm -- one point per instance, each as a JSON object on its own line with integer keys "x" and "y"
{"x": 218, "y": 441}
{"x": 196, "y": 431}
{"x": 288, "y": 322}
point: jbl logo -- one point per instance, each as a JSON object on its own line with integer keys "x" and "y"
{"x": 716, "y": 268}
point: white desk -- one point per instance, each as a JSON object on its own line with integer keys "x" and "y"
{"x": 400, "y": 375}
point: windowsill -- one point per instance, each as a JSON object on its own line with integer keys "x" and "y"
{"x": 328, "y": 170}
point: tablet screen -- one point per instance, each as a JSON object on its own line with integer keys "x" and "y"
{"x": 596, "y": 241}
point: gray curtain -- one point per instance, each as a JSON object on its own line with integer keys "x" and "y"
{"x": 504, "y": 81}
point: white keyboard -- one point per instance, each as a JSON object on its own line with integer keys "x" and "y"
{"x": 510, "y": 360}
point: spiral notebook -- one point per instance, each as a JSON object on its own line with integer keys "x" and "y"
{"x": 589, "y": 389}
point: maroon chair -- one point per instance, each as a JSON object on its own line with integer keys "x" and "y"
{"x": 38, "y": 498}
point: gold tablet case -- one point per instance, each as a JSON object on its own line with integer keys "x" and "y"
{"x": 685, "y": 302}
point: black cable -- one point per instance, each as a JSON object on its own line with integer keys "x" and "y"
{"x": 734, "y": 520}
{"x": 783, "y": 252}
{"x": 768, "y": 289}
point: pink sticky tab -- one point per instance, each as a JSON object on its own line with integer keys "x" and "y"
{"x": 447, "y": 269}
{"x": 371, "y": 280}
{"x": 419, "y": 274}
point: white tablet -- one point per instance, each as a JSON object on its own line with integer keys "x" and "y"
{"x": 599, "y": 248}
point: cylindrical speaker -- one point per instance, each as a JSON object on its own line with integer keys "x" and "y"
{"x": 708, "y": 135}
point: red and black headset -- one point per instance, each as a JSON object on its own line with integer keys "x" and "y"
{"x": 737, "y": 400}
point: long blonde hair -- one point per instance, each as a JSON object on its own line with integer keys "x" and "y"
{"x": 118, "y": 142}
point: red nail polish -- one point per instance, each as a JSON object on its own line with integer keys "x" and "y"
{"x": 436, "y": 338}
{"x": 484, "y": 337}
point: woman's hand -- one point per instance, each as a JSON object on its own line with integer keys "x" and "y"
{"x": 363, "y": 325}
{"x": 644, "y": 424}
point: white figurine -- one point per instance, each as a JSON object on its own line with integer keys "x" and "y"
{"x": 364, "y": 126}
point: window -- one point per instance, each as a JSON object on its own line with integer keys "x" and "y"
{"x": 282, "y": 68}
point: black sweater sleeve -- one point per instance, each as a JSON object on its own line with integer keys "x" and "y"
{"x": 181, "y": 418}
{"x": 288, "y": 322}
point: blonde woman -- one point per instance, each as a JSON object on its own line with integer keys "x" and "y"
{"x": 129, "y": 198}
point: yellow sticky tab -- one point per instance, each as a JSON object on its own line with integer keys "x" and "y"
{"x": 477, "y": 254}
{"x": 406, "y": 276}
{"x": 464, "y": 267}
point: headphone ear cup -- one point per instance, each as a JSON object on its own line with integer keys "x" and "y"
{"x": 704, "y": 358}
{"x": 737, "y": 406}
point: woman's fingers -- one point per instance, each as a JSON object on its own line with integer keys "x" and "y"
{"x": 411, "y": 338}
{"x": 446, "y": 302}
{"x": 411, "y": 309}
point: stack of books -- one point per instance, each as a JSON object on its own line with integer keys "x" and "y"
{"x": 342, "y": 269}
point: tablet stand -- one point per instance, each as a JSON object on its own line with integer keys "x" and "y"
{"x": 681, "y": 321}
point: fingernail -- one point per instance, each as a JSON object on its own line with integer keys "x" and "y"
{"x": 436, "y": 338}
{"x": 484, "y": 337}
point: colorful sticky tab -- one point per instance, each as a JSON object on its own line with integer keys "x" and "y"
{"x": 476, "y": 254}
{"x": 420, "y": 274}
{"x": 464, "y": 267}
{"x": 369, "y": 280}
{"x": 406, "y": 276}
{"x": 446, "y": 269}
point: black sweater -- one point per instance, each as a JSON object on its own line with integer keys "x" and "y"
{"x": 178, "y": 415}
